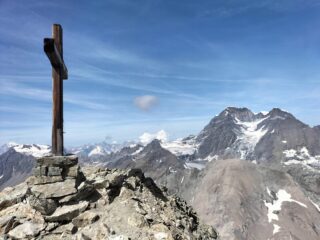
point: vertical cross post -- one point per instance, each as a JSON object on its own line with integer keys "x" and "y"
{"x": 53, "y": 47}
{"x": 57, "y": 86}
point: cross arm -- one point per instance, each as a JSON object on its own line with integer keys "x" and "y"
{"x": 54, "y": 56}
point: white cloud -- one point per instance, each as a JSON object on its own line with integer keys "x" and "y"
{"x": 145, "y": 102}
{"x": 146, "y": 138}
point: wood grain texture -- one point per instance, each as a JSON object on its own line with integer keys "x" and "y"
{"x": 54, "y": 56}
{"x": 53, "y": 47}
{"x": 57, "y": 126}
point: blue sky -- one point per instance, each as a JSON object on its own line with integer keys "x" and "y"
{"x": 144, "y": 65}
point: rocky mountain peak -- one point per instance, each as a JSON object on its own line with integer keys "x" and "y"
{"x": 317, "y": 127}
{"x": 243, "y": 114}
{"x": 154, "y": 145}
{"x": 277, "y": 112}
{"x": 105, "y": 204}
{"x": 234, "y": 114}
{"x": 239, "y": 133}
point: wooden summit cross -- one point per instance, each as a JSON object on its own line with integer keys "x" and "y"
{"x": 53, "y": 47}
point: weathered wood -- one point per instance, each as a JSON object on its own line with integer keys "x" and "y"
{"x": 57, "y": 93}
{"x": 54, "y": 56}
{"x": 53, "y": 47}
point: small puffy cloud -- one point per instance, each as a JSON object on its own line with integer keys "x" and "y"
{"x": 146, "y": 138}
{"x": 146, "y": 102}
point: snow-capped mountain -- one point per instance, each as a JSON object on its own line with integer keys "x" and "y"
{"x": 274, "y": 137}
{"x": 181, "y": 146}
{"x": 5, "y": 147}
{"x": 17, "y": 161}
{"x": 35, "y": 150}
{"x": 256, "y": 200}
{"x": 263, "y": 137}
{"x": 270, "y": 188}
{"x": 235, "y": 132}
{"x": 88, "y": 150}
{"x": 97, "y": 150}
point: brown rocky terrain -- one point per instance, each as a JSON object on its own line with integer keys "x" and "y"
{"x": 252, "y": 202}
{"x": 95, "y": 204}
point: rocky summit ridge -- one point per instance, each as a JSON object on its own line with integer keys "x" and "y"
{"x": 62, "y": 201}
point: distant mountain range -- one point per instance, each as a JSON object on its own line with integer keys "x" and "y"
{"x": 35, "y": 150}
{"x": 274, "y": 194}
{"x": 93, "y": 153}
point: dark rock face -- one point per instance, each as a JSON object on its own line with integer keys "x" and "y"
{"x": 14, "y": 168}
{"x": 285, "y": 132}
{"x": 239, "y": 133}
{"x": 223, "y": 131}
{"x": 161, "y": 165}
{"x": 153, "y": 156}
{"x": 308, "y": 179}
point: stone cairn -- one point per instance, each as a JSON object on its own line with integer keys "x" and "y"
{"x": 56, "y": 181}
{"x": 56, "y": 169}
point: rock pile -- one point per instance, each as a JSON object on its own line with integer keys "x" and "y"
{"x": 63, "y": 202}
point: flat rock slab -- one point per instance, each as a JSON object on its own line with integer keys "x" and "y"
{"x": 55, "y": 190}
{"x": 66, "y": 228}
{"x": 73, "y": 171}
{"x": 67, "y": 212}
{"x": 85, "y": 219}
{"x": 58, "y": 160}
{"x": 84, "y": 190}
{"x": 26, "y": 230}
{"x": 11, "y": 196}
{"x": 43, "y": 180}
